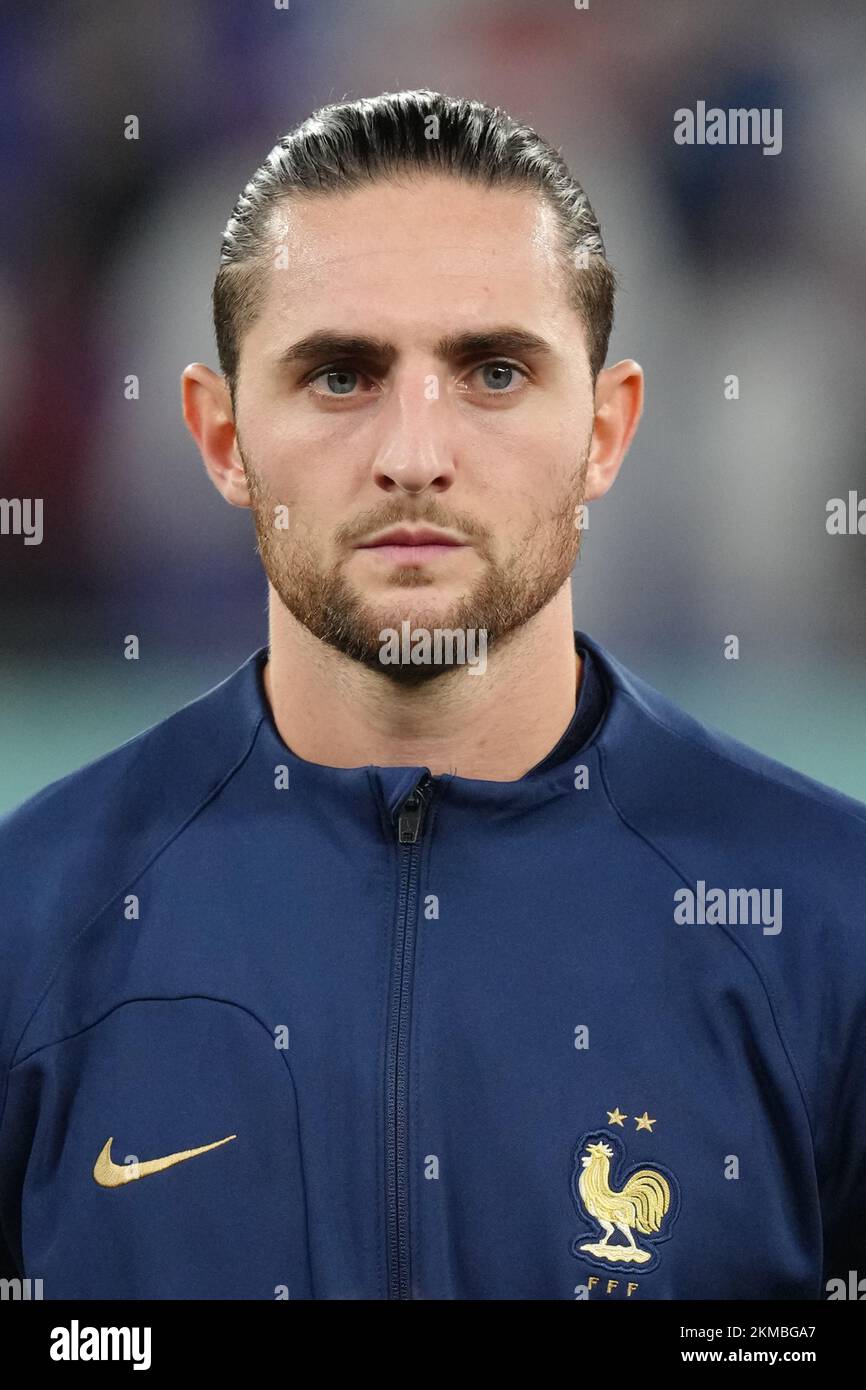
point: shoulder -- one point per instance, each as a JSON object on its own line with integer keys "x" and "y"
{"x": 67, "y": 850}
{"x": 665, "y": 764}
{"x": 730, "y": 823}
{"x": 150, "y": 779}
{"x": 716, "y": 810}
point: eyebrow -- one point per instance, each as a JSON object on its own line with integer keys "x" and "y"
{"x": 455, "y": 347}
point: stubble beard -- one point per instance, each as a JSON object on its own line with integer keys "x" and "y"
{"x": 505, "y": 598}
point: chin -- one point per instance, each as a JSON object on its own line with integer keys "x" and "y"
{"x": 422, "y": 615}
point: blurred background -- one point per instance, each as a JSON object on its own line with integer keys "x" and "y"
{"x": 731, "y": 262}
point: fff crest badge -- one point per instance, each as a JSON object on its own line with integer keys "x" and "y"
{"x": 630, "y": 1210}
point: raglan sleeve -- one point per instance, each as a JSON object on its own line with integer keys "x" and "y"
{"x": 8, "y": 1267}
{"x": 841, "y": 1110}
{"x": 16, "y": 956}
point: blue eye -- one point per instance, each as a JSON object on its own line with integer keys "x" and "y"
{"x": 501, "y": 378}
{"x": 339, "y": 376}
{"x": 497, "y": 383}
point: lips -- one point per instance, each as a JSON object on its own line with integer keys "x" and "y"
{"x": 412, "y": 546}
{"x": 404, "y": 535}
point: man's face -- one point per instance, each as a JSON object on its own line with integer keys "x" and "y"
{"x": 485, "y": 441}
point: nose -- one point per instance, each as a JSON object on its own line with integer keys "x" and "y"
{"x": 414, "y": 452}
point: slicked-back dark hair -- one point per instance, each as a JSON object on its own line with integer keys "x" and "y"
{"x": 351, "y": 144}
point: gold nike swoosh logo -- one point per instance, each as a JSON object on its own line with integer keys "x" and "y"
{"x": 110, "y": 1174}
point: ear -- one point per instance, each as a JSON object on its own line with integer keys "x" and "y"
{"x": 207, "y": 410}
{"x": 619, "y": 392}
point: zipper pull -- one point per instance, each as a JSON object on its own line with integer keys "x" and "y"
{"x": 410, "y": 819}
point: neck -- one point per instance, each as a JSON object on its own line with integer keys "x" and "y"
{"x": 494, "y": 726}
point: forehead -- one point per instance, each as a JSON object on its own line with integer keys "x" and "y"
{"x": 421, "y": 250}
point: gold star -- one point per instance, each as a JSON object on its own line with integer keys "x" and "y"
{"x": 644, "y": 1122}
{"x": 615, "y": 1117}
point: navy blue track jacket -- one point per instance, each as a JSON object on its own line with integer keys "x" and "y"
{"x": 272, "y": 1029}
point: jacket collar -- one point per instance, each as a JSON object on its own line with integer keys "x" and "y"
{"x": 552, "y": 775}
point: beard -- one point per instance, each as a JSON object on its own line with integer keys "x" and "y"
{"x": 508, "y": 594}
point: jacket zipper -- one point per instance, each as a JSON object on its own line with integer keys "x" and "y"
{"x": 409, "y": 825}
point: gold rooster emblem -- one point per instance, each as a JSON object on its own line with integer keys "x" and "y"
{"x": 642, "y": 1204}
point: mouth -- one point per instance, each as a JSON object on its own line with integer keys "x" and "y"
{"x": 412, "y": 546}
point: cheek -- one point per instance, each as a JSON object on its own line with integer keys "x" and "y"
{"x": 317, "y": 464}
{"x": 525, "y": 483}
{"x": 296, "y": 425}
{"x": 314, "y": 513}
{"x": 280, "y": 461}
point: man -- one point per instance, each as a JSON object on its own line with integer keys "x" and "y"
{"x": 432, "y": 954}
